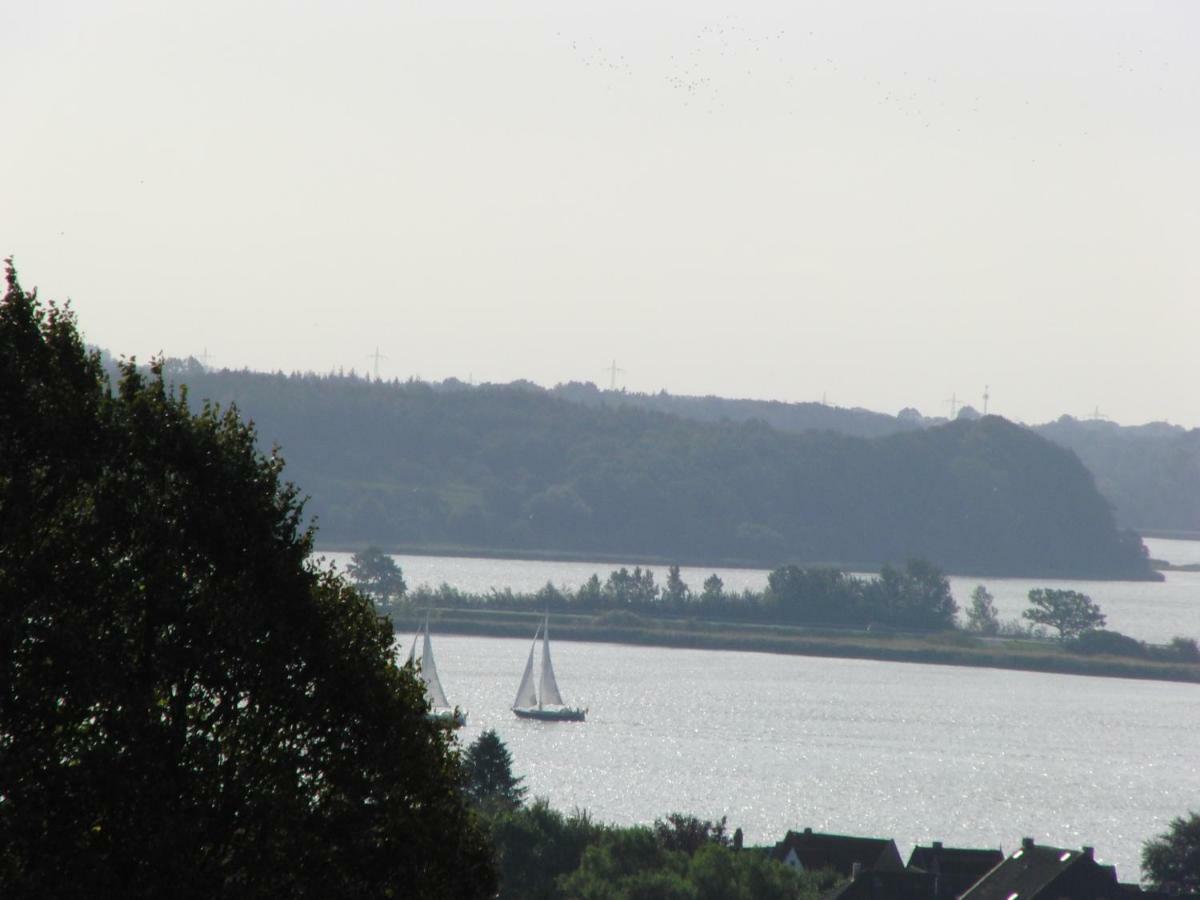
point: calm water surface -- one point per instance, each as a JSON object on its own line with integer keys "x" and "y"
{"x": 1148, "y": 611}
{"x": 972, "y": 757}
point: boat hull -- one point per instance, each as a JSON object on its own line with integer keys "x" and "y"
{"x": 556, "y": 714}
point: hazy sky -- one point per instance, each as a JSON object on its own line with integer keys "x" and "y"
{"x": 884, "y": 203}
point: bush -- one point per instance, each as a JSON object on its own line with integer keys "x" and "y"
{"x": 1107, "y": 643}
{"x": 1185, "y": 648}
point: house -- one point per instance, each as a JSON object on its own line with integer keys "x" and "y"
{"x": 933, "y": 873}
{"x": 1035, "y": 872}
{"x": 906, "y": 885}
{"x": 952, "y": 869}
{"x": 807, "y": 851}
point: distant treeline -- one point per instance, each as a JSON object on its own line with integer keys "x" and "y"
{"x": 515, "y": 468}
{"x": 1150, "y": 473}
{"x": 916, "y": 596}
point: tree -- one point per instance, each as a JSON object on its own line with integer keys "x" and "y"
{"x": 490, "y": 783}
{"x": 590, "y": 593}
{"x": 917, "y": 597}
{"x": 1071, "y": 612}
{"x": 981, "y": 615}
{"x": 536, "y": 846}
{"x": 377, "y": 575}
{"x": 714, "y": 590}
{"x": 818, "y": 594}
{"x": 689, "y": 833}
{"x": 189, "y": 707}
{"x": 1171, "y": 861}
{"x": 636, "y": 588}
{"x": 675, "y": 591}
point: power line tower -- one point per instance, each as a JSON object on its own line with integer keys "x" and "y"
{"x": 612, "y": 375}
{"x": 203, "y": 359}
{"x": 377, "y": 356}
{"x": 953, "y": 401}
{"x": 986, "y": 397}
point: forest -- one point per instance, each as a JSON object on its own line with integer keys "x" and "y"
{"x": 514, "y": 468}
{"x": 1149, "y": 473}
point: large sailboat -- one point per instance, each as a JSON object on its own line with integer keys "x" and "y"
{"x": 440, "y": 710}
{"x": 543, "y": 702}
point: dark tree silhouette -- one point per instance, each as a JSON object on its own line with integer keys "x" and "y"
{"x": 1171, "y": 861}
{"x": 490, "y": 782}
{"x": 1071, "y": 612}
{"x": 377, "y": 575}
{"x": 188, "y": 707}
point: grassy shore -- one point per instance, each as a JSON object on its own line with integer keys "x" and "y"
{"x": 951, "y": 648}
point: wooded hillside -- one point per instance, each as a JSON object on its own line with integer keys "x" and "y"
{"x": 514, "y": 468}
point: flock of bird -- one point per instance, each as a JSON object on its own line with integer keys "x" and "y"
{"x": 727, "y": 62}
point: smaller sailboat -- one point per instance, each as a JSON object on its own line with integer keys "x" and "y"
{"x": 440, "y": 710}
{"x": 543, "y": 702}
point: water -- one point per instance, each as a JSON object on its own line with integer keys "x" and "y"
{"x": 1148, "y": 611}
{"x": 971, "y": 757}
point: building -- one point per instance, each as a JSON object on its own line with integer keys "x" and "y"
{"x": 1034, "y": 872}
{"x": 807, "y": 851}
{"x": 952, "y": 869}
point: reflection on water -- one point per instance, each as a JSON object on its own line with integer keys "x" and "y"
{"x": 971, "y": 757}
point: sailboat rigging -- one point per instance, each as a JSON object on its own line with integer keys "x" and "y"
{"x": 543, "y": 702}
{"x": 440, "y": 710}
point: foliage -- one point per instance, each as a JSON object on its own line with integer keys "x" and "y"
{"x": 714, "y": 590}
{"x": 1070, "y": 612}
{"x": 981, "y": 615}
{"x": 187, "y": 707}
{"x": 515, "y": 468}
{"x": 536, "y": 846}
{"x": 631, "y": 588}
{"x": 1109, "y": 643}
{"x": 1184, "y": 648}
{"x": 544, "y": 855}
{"x": 377, "y": 575}
{"x": 630, "y": 864}
{"x": 1150, "y": 473}
{"x": 917, "y": 597}
{"x": 490, "y": 783}
{"x": 675, "y": 591}
{"x": 1171, "y": 861}
{"x": 688, "y": 834}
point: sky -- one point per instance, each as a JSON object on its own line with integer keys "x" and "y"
{"x": 874, "y": 204}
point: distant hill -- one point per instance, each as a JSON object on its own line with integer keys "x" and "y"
{"x": 517, "y": 468}
{"x": 1150, "y": 473}
{"x": 795, "y": 417}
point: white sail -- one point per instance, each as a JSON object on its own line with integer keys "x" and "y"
{"x": 549, "y": 686}
{"x": 433, "y": 684}
{"x": 412, "y": 651}
{"x": 525, "y": 694}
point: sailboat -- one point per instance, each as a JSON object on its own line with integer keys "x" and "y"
{"x": 544, "y": 702}
{"x": 440, "y": 710}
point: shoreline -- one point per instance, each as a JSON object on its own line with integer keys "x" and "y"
{"x": 950, "y": 648}
{"x": 643, "y": 559}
